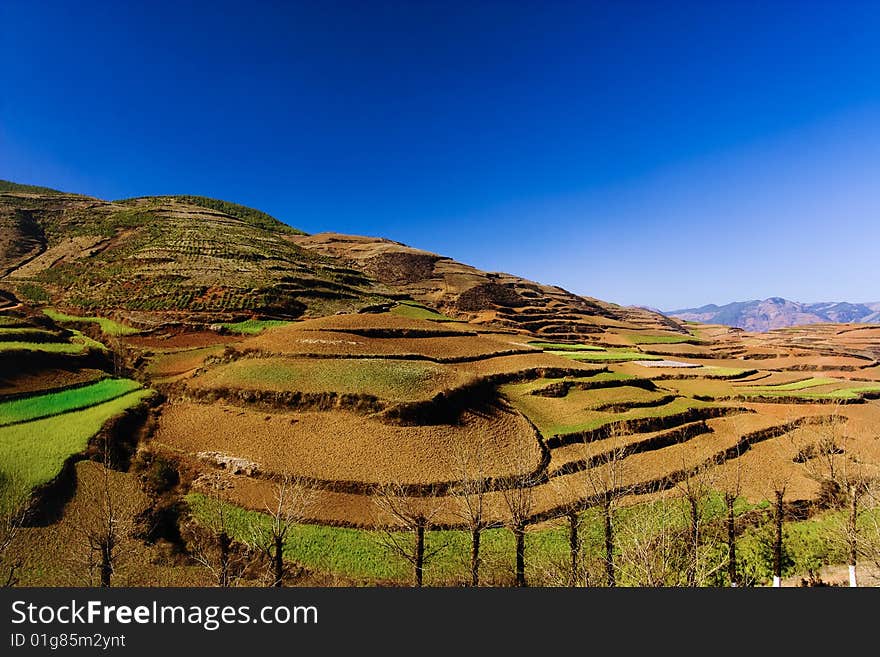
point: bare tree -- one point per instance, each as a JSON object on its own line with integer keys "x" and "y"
{"x": 652, "y": 545}
{"x": 731, "y": 488}
{"x": 210, "y": 540}
{"x": 695, "y": 488}
{"x": 410, "y": 518}
{"x": 606, "y": 481}
{"x": 827, "y": 453}
{"x": 868, "y": 537}
{"x": 291, "y": 498}
{"x": 518, "y": 493}
{"x": 470, "y": 491}
{"x": 12, "y": 510}
{"x": 102, "y": 522}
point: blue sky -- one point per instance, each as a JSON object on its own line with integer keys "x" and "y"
{"x": 666, "y": 154}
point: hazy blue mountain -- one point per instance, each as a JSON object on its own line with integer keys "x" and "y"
{"x": 777, "y": 312}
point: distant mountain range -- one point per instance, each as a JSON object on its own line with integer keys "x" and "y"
{"x": 776, "y": 312}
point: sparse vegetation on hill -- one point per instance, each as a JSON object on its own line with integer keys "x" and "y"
{"x": 9, "y": 186}
{"x": 253, "y": 217}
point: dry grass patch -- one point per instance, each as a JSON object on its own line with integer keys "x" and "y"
{"x": 344, "y": 446}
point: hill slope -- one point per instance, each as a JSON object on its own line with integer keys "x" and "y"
{"x": 776, "y": 312}
{"x": 154, "y": 260}
{"x": 463, "y": 291}
{"x": 166, "y": 255}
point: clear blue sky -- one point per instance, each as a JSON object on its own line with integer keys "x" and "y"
{"x": 659, "y": 153}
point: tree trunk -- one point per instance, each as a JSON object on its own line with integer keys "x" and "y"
{"x": 574, "y": 545}
{"x": 420, "y": 553}
{"x": 609, "y": 542}
{"x": 519, "y": 534}
{"x": 106, "y": 564}
{"x": 731, "y": 541}
{"x": 475, "y": 556}
{"x": 851, "y": 531}
{"x": 695, "y": 541}
{"x": 278, "y": 562}
{"x": 777, "y": 548}
{"x": 225, "y": 545}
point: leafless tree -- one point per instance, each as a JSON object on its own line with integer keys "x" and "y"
{"x": 210, "y": 540}
{"x": 827, "y": 453}
{"x": 695, "y": 488}
{"x": 291, "y": 499}
{"x": 12, "y": 509}
{"x": 607, "y": 484}
{"x": 470, "y": 493}
{"x": 731, "y": 489}
{"x": 518, "y": 494}
{"x": 653, "y": 547}
{"x": 405, "y": 518}
{"x": 102, "y": 522}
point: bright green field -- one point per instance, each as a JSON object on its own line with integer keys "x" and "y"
{"x": 48, "y": 347}
{"x": 797, "y": 385}
{"x": 38, "y": 406}
{"x": 605, "y": 355}
{"x": 25, "y": 332}
{"x": 803, "y": 390}
{"x": 358, "y": 554}
{"x": 108, "y": 326}
{"x": 516, "y": 389}
{"x": 572, "y": 414}
{"x": 388, "y": 379}
{"x": 635, "y": 338}
{"x": 561, "y": 346}
{"x": 252, "y": 326}
{"x": 33, "y": 453}
{"x": 413, "y": 311}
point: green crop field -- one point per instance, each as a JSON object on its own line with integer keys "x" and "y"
{"x": 805, "y": 390}
{"x": 561, "y": 346}
{"x": 252, "y": 326}
{"x": 572, "y": 413}
{"x": 605, "y": 355}
{"x": 610, "y": 378}
{"x": 635, "y": 338}
{"x": 389, "y": 379}
{"x": 797, "y": 385}
{"x": 55, "y": 403}
{"x": 48, "y": 347}
{"x": 25, "y": 333}
{"x": 32, "y": 453}
{"x": 108, "y": 326}
{"x": 413, "y": 311}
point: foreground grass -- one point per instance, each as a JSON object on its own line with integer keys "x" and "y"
{"x": 32, "y": 453}
{"x": 108, "y": 326}
{"x": 252, "y": 326}
{"x": 64, "y": 401}
{"x": 360, "y": 555}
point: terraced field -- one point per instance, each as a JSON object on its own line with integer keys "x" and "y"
{"x": 33, "y": 452}
{"x": 354, "y": 363}
{"x": 386, "y": 379}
